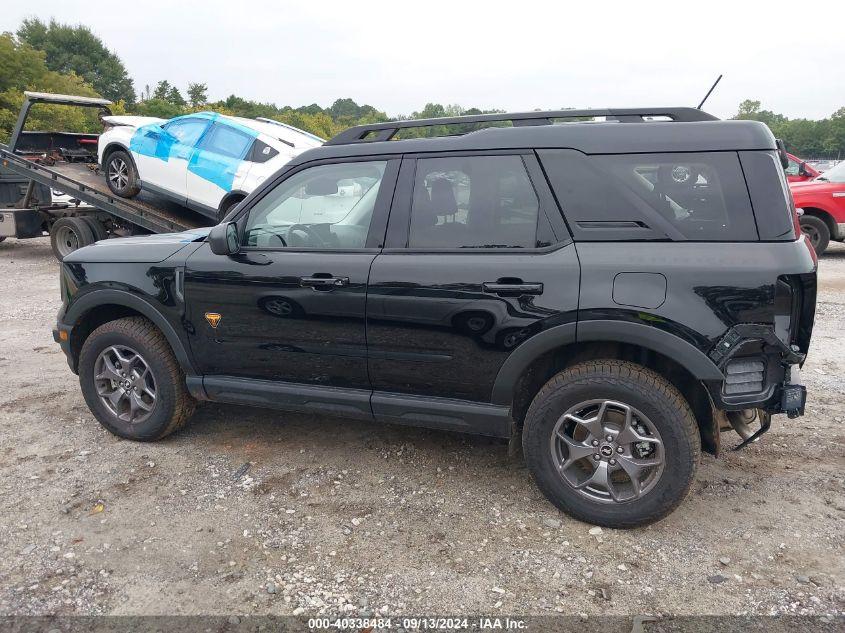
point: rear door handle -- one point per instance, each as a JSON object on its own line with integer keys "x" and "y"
{"x": 320, "y": 281}
{"x": 512, "y": 289}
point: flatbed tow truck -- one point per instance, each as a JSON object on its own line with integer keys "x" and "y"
{"x": 36, "y": 163}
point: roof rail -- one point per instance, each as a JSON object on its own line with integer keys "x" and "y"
{"x": 386, "y": 131}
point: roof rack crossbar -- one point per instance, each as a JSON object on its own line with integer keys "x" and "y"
{"x": 386, "y": 131}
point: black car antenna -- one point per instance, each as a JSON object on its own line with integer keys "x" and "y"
{"x": 712, "y": 88}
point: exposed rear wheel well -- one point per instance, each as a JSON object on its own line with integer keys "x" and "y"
{"x": 547, "y": 365}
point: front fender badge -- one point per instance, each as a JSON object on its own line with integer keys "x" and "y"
{"x": 213, "y": 318}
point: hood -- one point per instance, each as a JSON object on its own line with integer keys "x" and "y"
{"x": 132, "y": 121}
{"x": 150, "y": 249}
{"x": 811, "y": 186}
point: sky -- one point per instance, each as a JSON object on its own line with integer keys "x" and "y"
{"x": 515, "y": 56}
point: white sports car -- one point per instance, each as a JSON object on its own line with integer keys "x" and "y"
{"x": 206, "y": 161}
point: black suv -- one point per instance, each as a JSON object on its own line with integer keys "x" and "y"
{"x": 610, "y": 294}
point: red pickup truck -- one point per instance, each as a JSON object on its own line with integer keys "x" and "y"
{"x": 799, "y": 171}
{"x": 823, "y": 202}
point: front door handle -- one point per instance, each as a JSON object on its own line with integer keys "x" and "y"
{"x": 512, "y": 288}
{"x": 320, "y": 281}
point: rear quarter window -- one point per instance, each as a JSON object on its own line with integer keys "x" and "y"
{"x": 669, "y": 196}
{"x": 770, "y": 195}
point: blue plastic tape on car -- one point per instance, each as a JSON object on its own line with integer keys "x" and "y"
{"x": 150, "y": 140}
{"x": 216, "y": 157}
{"x": 221, "y": 153}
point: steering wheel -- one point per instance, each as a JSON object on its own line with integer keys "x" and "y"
{"x": 313, "y": 237}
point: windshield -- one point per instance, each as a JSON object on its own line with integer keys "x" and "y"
{"x": 835, "y": 174}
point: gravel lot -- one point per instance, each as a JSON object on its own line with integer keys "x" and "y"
{"x": 249, "y": 511}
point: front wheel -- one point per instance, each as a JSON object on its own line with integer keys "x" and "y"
{"x": 611, "y": 443}
{"x": 815, "y": 229}
{"x": 132, "y": 382}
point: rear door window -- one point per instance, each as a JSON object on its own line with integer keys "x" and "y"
{"x": 679, "y": 196}
{"x": 474, "y": 202}
{"x": 227, "y": 141}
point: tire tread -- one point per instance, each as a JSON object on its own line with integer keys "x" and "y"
{"x": 143, "y": 330}
{"x": 649, "y": 385}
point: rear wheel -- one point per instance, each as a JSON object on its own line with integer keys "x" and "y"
{"x": 68, "y": 235}
{"x": 132, "y": 382}
{"x": 121, "y": 175}
{"x": 816, "y": 230}
{"x": 227, "y": 205}
{"x": 611, "y": 443}
{"x": 97, "y": 228}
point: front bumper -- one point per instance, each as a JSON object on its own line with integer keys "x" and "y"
{"x": 62, "y": 334}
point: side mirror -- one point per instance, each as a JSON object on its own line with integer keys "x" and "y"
{"x": 223, "y": 239}
{"x": 784, "y": 159}
{"x": 802, "y": 169}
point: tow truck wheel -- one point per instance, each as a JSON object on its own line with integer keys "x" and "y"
{"x": 97, "y": 228}
{"x": 68, "y": 235}
{"x": 121, "y": 175}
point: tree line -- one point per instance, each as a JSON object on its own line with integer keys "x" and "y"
{"x": 71, "y": 59}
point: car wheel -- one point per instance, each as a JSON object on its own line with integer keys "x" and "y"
{"x": 227, "y": 205}
{"x": 68, "y": 235}
{"x": 816, "y": 231}
{"x": 132, "y": 382}
{"x": 611, "y": 443}
{"x": 121, "y": 174}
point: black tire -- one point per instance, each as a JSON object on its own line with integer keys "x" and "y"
{"x": 644, "y": 391}
{"x": 68, "y": 235}
{"x": 172, "y": 405}
{"x": 97, "y": 228}
{"x": 121, "y": 174}
{"x": 817, "y": 231}
{"x": 227, "y": 205}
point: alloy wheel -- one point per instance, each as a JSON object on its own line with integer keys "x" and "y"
{"x": 118, "y": 173}
{"x": 125, "y": 383}
{"x": 607, "y": 451}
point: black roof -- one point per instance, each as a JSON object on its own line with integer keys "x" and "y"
{"x": 685, "y": 132}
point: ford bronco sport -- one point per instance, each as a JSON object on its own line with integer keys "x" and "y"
{"x": 610, "y": 294}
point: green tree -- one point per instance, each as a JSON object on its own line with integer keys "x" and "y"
{"x": 161, "y": 108}
{"x": 75, "y": 49}
{"x": 175, "y": 97}
{"x": 161, "y": 90}
{"x": 197, "y": 94}
{"x": 803, "y": 137}
{"x": 24, "y": 68}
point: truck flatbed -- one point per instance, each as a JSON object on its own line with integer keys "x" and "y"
{"x": 80, "y": 181}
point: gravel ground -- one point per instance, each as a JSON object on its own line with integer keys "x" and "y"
{"x": 249, "y": 511}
